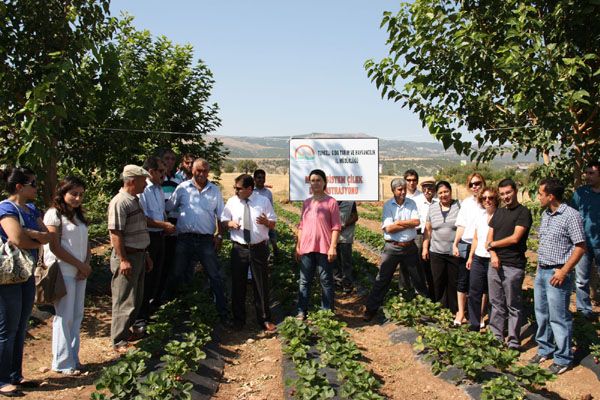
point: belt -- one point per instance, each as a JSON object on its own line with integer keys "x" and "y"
{"x": 156, "y": 233}
{"x": 401, "y": 244}
{"x": 551, "y": 266}
{"x": 131, "y": 250}
{"x": 198, "y": 235}
{"x": 251, "y": 245}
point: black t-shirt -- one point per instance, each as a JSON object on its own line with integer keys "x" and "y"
{"x": 503, "y": 222}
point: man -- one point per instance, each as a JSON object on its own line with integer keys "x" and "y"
{"x": 507, "y": 243}
{"x": 400, "y": 220}
{"x": 185, "y": 167}
{"x": 412, "y": 181}
{"x": 169, "y": 184}
{"x": 200, "y": 207}
{"x": 423, "y": 204}
{"x": 343, "y": 271}
{"x": 587, "y": 201}
{"x": 129, "y": 259}
{"x": 260, "y": 177}
{"x": 561, "y": 245}
{"x": 152, "y": 200}
{"x": 249, "y": 216}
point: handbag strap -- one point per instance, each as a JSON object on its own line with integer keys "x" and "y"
{"x": 21, "y": 220}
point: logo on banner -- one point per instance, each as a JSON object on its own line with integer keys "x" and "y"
{"x": 304, "y": 153}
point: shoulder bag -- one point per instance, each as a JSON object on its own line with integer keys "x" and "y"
{"x": 49, "y": 281}
{"x": 16, "y": 265}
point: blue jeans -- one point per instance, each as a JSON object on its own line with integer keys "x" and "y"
{"x": 308, "y": 264}
{"x": 583, "y": 271}
{"x": 16, "y": 303}
{"x": 188, "y": 252}
{"x": 554, "y": 320}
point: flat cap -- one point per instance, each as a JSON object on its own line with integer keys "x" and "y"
{"x": 131, "y": 171}
{"x": 428, "y": 182}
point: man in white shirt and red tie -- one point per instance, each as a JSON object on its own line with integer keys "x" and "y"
{"x": 248, "y": 216}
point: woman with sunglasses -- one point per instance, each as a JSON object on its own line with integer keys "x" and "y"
{"x": 22, "y": 225}
{"x": 437, "y": 245}
{"x": 479, "y": 258}
{"x": 318, "y": 235}
{"x": 465, "y": 226}
{"x": 69, "y": 246}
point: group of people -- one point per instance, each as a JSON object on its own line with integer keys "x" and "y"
{"x": 165, "y": 220}
{"x": 467, "y": 254}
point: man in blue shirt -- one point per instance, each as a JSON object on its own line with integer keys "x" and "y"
{"x": 587, "y": 201}
{"x": 400, "y": 222}
{"x": 561, "y": 245}
{"x": 199, "y": 235}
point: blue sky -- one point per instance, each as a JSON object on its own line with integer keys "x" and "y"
{"x": 286, "y": 68}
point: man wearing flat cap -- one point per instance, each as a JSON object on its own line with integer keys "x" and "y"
{"x": 129, "y": 259}
{"x": 423, "y": 204}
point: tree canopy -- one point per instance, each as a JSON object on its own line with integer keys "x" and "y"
{"x": 85, "y": 91}
{"x": 518, "y": 76}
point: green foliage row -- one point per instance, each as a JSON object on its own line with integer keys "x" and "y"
{"x": 444, "y": 345}
{"x": 179, "y": 331}
{"x": 336, "y": 349}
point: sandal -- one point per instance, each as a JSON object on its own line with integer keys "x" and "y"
{"x": 26, "y": 383}
{"x": 9, "y": 390}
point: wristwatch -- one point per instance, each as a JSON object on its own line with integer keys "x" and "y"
{"x": 220, "y": 237}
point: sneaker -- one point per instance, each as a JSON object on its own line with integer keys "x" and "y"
{"x": 300, "y": 316}
{"x": 538, "y": 359}
{"x": 558, "y": 369}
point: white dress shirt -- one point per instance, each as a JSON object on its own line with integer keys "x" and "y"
{"x": 234, "y": 211}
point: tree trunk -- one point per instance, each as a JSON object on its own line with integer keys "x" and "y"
{"x": 51, "y": 178}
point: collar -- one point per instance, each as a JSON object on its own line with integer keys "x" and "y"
{"x": 561, "y": 209}
{"x": 127, "y": 195}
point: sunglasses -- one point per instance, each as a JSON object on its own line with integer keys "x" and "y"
{"x": 484, "y": 198}
{"x": 478, "y": 183}
{"x": 33, "y": 184}
{"x": 411, "y": 180}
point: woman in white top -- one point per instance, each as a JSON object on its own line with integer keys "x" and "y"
{"x": 479, "y": 258}
{"x": 470, "y": 210}
{"x": 70, "y": 247}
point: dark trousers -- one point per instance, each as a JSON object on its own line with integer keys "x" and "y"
{"x": 478, "y": 286}
{"x": 16, "y": 303}
{"x": 407, "y": 257}
{"x": 343, "y": 264}
{"x": 444, "y": 269}
{"x": 168, "y": 266}
{"x": 152, "y": 278}
{"x": 255, "y": 258}
{"x": 425, "y": 265}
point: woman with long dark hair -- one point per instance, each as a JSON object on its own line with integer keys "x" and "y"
{"x": 69, "y": 246}
{"x": 22, "y": 225}
{"x": 318, "y": 235}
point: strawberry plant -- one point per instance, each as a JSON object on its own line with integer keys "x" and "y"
{"x": 531, "y": 376}
{"x": 416, "y": 311}
{"x": 502, "y": 388}
{"x": 311, "y": 383}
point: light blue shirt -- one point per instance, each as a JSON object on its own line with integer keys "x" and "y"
{"x": 265, "y": 192}
{"x": 152, "y": 200}
{"x": 393, "y": 212}
{"x": 198, "y": 210}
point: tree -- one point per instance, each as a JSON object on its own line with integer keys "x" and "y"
{"x": 247, "y": 166}
{"x": 82, "y": 91}
{"x": 521, "y": 76}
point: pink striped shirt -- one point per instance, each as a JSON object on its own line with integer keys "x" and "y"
{"x": 319, "y": 219}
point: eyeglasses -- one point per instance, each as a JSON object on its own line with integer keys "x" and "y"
{"x": 484, "y": 198}
{"x": 428, "y": 188}
{"x": 411, "y": 180}
{"x": 478, "y": 183}
{"x": 33, "y": 184}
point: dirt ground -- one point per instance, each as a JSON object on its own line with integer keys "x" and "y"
{"x": 253, "y": 365}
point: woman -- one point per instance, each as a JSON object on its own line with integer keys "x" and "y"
{"x": 437, "y": 245}
{"x": 318, "y": 234}
{"x": 479, "y": 258}
{"x": 16, "y": 300}
{"x": 470, "y": 211}
{"x": 69, "y": 245}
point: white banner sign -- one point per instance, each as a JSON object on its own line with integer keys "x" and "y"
{"x": 351, "y": 166}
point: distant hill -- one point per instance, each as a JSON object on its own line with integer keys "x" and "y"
{"x": 278, "y": 147}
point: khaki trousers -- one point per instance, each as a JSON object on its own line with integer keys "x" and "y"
{"x": 127, "y": 295}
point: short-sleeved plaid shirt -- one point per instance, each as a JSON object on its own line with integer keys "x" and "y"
{"x": 559, "y": 232}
